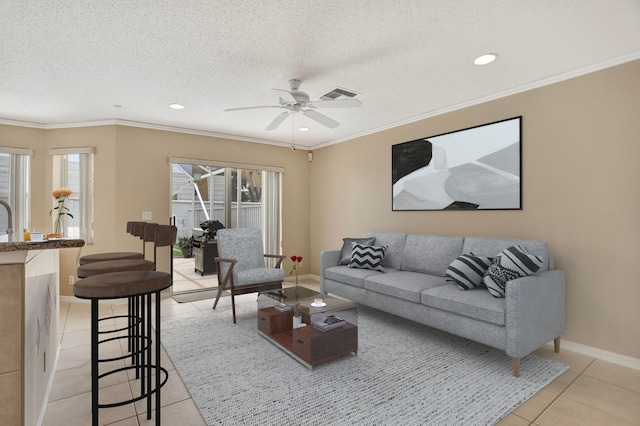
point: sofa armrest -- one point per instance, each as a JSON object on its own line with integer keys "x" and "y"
{"x": 327, "y": 259}
{"x": 535, "y": 309}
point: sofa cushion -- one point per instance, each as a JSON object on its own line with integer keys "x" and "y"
{"x": 403, "y": 284}
{"x": 394, "y": 241}
{"x": 351, "y": 276}
{"x": 367, "y": 257}
{"x": 513, "y": 262}
{"x": 476, "y": 303}
{"x": 490, "y": 247}
{"x": 468, "y": 270}
{"x": 345, "y": 252}
{"x": 431, "y": 254}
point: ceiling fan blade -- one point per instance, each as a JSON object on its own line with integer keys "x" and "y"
{"x": 289, "y": 96}
{"x": 253, "y": 107}
{"x": 320, "y": 118}
{"x": 277, "y": 121}
{"x": 337, "y": 103}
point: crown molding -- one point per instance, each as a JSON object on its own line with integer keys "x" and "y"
{"x": 533, "y": 85}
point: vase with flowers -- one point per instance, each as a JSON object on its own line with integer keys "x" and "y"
{"x": 295, "y": 268}
{"x": 297, "y": 261}
{"x": 60, "y": 210}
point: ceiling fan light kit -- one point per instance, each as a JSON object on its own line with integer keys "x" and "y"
{"x": 295, "y": 101}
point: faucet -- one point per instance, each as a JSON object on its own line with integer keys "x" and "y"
{"x": 9, "y": 217}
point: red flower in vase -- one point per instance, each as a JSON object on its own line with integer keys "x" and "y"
{"x": 297, "y": 260}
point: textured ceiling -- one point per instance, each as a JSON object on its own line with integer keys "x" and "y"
{"x": 65, "y": 63}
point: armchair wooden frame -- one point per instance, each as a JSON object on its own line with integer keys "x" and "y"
{"x": 244, "y": 289}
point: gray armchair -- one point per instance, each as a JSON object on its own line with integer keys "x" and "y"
{"x": 241, "y": 264}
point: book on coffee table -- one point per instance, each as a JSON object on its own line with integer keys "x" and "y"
{"x": 327, "y": 323}
{"x": 282, "y": 307}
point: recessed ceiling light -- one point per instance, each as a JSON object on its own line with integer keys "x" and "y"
{"x": 303, "y": 129}
{"x": 176, "y": 106}
{"x": 486, "y": 59}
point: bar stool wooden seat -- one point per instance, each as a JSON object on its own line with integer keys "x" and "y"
{"x": 133, "y": 228}
{"x": 98, "y": 268}
{"x": 147, "y": 234}
{"x": 131, "y": 284}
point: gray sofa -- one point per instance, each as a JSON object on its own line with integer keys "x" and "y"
{"x": 413, "y": 286}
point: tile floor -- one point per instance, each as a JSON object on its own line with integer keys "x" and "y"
{"x": 591, "y": 392}
{"x": 185, "y": 278}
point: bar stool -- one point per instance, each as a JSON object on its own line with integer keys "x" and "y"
{"x": 161, "y": 236}
{"x": 147, "y": 232}
{"x": 133, "y": 228}
{"x": 118, "y": 285}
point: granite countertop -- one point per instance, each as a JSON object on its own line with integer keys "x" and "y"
{"x": 6, "y": 246}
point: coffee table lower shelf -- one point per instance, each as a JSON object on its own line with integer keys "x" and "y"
{"x": 308, "y": 345}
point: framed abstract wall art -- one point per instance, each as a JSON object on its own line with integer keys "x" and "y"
{"x": 478, "y": 168}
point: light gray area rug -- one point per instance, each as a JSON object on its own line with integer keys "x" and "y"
{"x": 404, "y": 374}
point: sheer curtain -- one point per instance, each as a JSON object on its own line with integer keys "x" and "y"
{"x": 271, "y": 200}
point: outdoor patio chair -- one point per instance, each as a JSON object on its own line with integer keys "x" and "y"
{"x": 241, "y": 265}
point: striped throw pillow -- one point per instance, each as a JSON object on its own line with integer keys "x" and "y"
{"x": 467, "y": 271}
{"x": 367, "y": 257}
{"x": 513, "y": 262}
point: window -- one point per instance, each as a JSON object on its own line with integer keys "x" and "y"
{"x": 73, "y": 168}
{"x": 238, "y": 195}
{"x": 14, "y": 188}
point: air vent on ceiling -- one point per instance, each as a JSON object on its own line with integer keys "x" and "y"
{"x": 338, "y": 93}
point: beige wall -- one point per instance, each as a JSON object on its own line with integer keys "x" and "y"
{"x": 132, "y": 175}
{"x": 581, "y": 148}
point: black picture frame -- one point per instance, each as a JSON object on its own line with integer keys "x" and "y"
{"x": 477, "y": 168}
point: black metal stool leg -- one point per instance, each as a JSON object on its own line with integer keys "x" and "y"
{"x": 148, "y": 354}
{"x": 94, "y": 362}
{"x": 144, "y": 340}
{"x": 158, "y": 348}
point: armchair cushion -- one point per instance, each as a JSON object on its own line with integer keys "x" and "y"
{"x": 257, "y": 276}
{"x": 242, "y": 244}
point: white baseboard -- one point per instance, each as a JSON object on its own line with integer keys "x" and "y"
{"x": 625, "y": 361}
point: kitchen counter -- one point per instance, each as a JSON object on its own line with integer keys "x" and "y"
{"x": 39, "y": 245}
{"x": 29, "y": 335}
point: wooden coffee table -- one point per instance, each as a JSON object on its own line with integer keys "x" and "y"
{"x": 308, "y": 344}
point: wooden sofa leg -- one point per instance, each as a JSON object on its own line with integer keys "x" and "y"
{"x": 516, "y": 367}
{"x": 556, "y": 345}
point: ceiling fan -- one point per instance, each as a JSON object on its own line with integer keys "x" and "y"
{"x": 295, "y": 101}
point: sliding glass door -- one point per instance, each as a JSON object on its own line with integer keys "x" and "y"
{"x": 206, "y": 196}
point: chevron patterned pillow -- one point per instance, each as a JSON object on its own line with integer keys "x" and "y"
{"x": 467, "y": 271}
{"x": 367, "y": 257}
{"x": 513, "y": 262}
